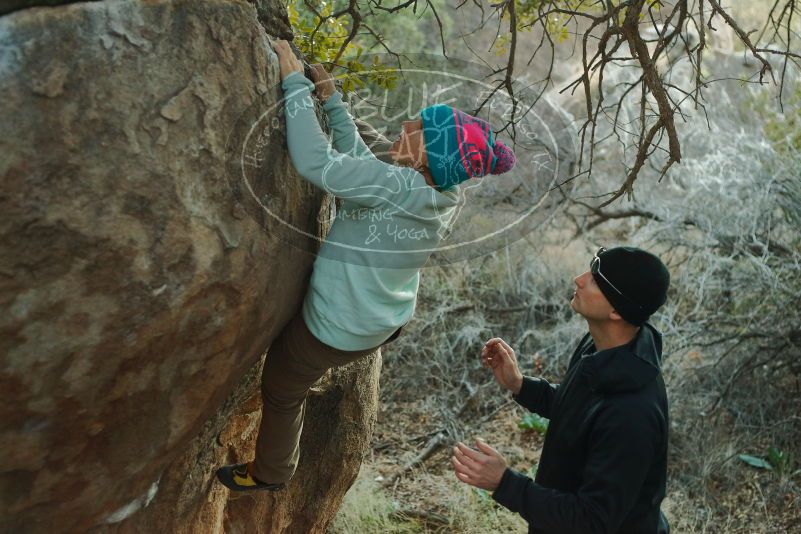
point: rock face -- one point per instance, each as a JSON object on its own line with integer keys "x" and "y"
{"x": 147, "y": 263}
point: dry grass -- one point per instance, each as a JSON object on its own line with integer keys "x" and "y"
{"x": 727, "y": 223}
{"x": 433, "y": 368}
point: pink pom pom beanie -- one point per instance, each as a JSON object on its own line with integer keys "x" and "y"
{"x": 460, "y": 146}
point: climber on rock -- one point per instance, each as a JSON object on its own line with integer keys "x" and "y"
{"x": 364, "y": 282}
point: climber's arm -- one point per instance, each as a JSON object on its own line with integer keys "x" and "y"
{"x": 346, "y": 136}
{"x": 369, "y": 182}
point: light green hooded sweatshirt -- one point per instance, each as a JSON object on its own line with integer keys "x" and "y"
{"x": 367, "y": 272}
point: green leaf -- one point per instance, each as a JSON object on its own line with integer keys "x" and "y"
{"x": 483, "y": 494}
{"x": 755, "y": 461}
{"x": 532, "y": 421}
{"x": 776, "y": 457}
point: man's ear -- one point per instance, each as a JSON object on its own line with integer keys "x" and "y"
{"x": 614, "y": 315}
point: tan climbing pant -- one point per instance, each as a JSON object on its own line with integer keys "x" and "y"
{"x": 295, "y": 361}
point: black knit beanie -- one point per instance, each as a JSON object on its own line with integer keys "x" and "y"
{"x": 640, "y": 276}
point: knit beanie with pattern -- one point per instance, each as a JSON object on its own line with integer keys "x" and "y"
{"x": 460, "y": 146}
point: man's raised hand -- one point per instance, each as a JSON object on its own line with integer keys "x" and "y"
{"x": 482, "y": 468}
{"x": 500, "y": 357}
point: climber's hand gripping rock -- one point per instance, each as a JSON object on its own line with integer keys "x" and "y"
{"x": 287, "y": 61}
{"x": 324, "y": 82}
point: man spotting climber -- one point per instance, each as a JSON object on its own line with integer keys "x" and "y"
{"x": 364, "y": 283}
{"x": 603, "y": 466}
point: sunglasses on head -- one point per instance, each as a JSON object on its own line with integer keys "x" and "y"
{"x": 595, "y": 269}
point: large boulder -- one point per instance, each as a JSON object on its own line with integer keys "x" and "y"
{"x": 147, "y": 263}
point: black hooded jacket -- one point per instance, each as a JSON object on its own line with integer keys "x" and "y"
{"x": 603, "y": 467}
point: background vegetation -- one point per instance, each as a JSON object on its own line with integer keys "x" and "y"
{"x": 726, "y": 221}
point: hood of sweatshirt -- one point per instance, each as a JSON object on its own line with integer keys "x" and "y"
{"x": 627, "y": 367}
